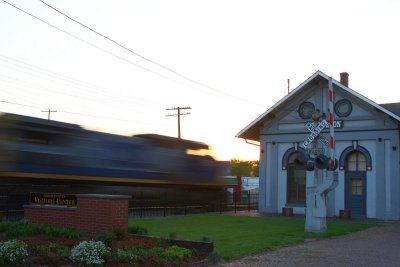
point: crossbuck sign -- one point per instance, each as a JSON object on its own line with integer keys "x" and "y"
{"x": 315, "y": 131}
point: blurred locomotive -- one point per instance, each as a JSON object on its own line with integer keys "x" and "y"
{"x": 44, "y": 155}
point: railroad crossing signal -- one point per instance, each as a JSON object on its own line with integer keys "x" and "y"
{"x": 315, "y": 133}
{"x": 320, "y": 162}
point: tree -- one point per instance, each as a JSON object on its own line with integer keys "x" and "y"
{"x": 244, "y": 168}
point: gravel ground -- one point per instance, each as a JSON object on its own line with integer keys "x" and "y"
{"x": 377, "y": 246}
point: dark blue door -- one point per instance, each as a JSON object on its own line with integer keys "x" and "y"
{"x": 356, "y": 192}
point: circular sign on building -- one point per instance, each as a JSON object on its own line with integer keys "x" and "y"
{"x": 306, "y": 109}
{"x": 343, "y": 108}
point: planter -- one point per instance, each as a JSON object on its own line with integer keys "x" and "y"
{"x": 287, "y": 212}
{"x": 344, "y": 214}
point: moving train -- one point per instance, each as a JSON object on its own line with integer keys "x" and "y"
{"x": 36, "y": 152}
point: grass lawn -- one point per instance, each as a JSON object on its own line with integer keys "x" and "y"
{"x": 235, "y": 236}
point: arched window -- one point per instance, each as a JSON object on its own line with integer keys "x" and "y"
{"x": 356, "y": 161}
{"x": 296, "y": 179}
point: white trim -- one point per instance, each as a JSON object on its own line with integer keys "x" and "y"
{"x": 278, "y": 104}
{"x": 268, "y": 175}
{"x": 298, "y": 88}
{"x": 388, "y": 207}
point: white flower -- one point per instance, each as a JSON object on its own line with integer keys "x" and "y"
{"x": 13, "y": 251}
{"x": 90, "y": 253}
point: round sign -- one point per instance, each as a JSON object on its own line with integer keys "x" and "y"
{"x": 306, "y": 109}
{"x": 343, "y": 108}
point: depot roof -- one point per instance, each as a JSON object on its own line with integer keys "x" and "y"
{"x": 252, "y": 131}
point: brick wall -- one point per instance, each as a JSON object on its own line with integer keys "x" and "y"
{"x": 52, "y": 215}
{"x": 99, "y": 213}
{"x": 93, "y": 213}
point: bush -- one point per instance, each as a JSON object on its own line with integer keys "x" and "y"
{"x": 142, "y": 252}
{"x": 13, "y": 251}
{"x": 62, "y": 251}
{"x": 176, "y": 254}
{"x": 90, "y": 253}
{"x": 24, "y": 229}
{"x": 4, "y": 226}
{"x": 127, "y": 255}
{"x": 173, "y": 254}
{"x": 55, "y": 232}
{"x": 52, "y": 250}
{"x": 119, "y": 233}
{"x": 21, "y": 229}
{"x": 137, "y": 230}
{"x": 106, "y": 238}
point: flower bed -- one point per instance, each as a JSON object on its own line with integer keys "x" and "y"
{"x": 53, "y": 246}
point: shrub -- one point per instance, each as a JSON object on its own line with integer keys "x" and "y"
{"x": 127, "y": 256}
{"x": 137, "y": 230}
{"x": 62, "y": 251}
{"x": 119, "y": 233}
{"x": 4, "y": 226}
{"x": 173, "y": 254}
{"x": 52, "y": 250}
{"x": 54, "y": 232}
{"x": 13, "y": 251}
{"x": 143, "y": 252}
{"x": 176, "y": 254}
{"x": 106, "y": 238}
{"x": 140, "y": 251}
{"x": 21, "y": 229}
{"x": 25, "y": 229}
{"x": 90, "y": 253}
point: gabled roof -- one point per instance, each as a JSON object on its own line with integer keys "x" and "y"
{"x": 392, "y": 107}
{"x": 252, "y": 131}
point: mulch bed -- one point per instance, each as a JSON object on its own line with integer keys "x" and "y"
{"x": 51, "y": 259}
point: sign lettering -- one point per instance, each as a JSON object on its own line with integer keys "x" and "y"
{"x": 336, "y": 124}
{"x": 315, "y": 131}
{"x": 53, "y": 199}
{"x": 311, "y": 127}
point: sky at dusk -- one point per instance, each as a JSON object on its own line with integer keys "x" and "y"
{"x": 117, "y": 66}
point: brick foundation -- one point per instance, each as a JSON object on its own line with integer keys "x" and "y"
{"x": 93, "y": 213}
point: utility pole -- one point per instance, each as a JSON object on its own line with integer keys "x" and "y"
{"x": 49, "y": 111}
{"x": 179, "y": 109}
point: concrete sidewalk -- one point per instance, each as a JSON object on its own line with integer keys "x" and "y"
{"x": 376, "y": 246}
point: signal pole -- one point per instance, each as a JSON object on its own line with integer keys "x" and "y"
{"x": 49, "y": 111}
{"x": 179, "y": 109}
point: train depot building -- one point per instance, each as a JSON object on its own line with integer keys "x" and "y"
{"x": 366, "y": 148}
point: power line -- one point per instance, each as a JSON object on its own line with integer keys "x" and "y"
{"x": 108, "y": 52}
{"x": 145, "y": 58}
{"x": 88, "y": 43}
{"x": 9, "y": 90}
{"x": 49, "y": 111}
{"x": 80, "y": 83}
{"x": 18, "y": 104}
{"x": 81, "y": 90}
{"x": 137, "y": 65}
{"x": 99, "y": 48}
{"x": 115, "y": 42}
{"x": 80, "y": 114}
{"x": 178, "y": 109}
